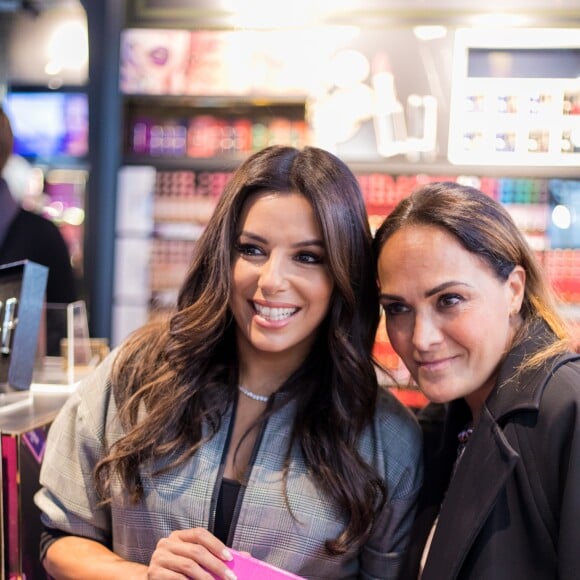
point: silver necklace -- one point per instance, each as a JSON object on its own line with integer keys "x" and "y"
{"x": 253, "y": 396}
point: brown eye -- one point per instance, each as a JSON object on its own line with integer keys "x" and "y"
{"x": 309, "y": 258}
{"x": 450, "y": 300}
{"x": 395, "y": 308}
{"x": 249, "y": 250}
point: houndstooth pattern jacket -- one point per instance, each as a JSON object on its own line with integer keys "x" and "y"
{"x": 185, "y": 496}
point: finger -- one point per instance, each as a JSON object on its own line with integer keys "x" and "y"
{"x": 191, "y": 560}
{"x": 156, "y": 573}
{"x": 201, "y": 536}
{"x": 204, "y": 565}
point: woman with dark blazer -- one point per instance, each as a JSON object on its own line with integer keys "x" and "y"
{"x": 472, "y": 317}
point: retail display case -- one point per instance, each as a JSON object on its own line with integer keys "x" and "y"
{"x": 23, "y": 417}
{"x": 516, "y": 97}
{"x": 23, "y": 438}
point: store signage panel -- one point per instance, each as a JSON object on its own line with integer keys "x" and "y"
{"x": 515, "y": 97}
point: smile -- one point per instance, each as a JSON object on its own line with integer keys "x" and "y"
{"x": 274, "y": 314}
{"x": 435, "y": 365}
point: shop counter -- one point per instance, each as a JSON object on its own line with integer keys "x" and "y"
{"x": 23, "y": 431}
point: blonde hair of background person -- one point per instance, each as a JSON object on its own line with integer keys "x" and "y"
{"x": 469, "y": 311}
{"x": 281, "y": 299}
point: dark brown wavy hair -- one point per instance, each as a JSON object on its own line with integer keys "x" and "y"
{"x": 485, "y": 228}
{"x": 184, "y": 371}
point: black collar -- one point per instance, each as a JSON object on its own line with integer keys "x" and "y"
{"x": 523, "y": 391}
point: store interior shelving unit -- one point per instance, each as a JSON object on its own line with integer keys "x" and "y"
{"x": 164, "y": 190}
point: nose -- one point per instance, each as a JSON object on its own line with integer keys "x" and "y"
{"x": 273, "y": 275}
{"x": 426, "y": 332}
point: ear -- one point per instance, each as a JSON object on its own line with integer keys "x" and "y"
{"x": 516, "y": 286}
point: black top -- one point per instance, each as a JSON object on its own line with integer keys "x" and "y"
{"x": 226, "y": 504}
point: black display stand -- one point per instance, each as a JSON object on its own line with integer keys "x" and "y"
{"x": 22, "y": 291}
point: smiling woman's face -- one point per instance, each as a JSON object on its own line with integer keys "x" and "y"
{"x": 281, "y": 285}
{"x": 447, "y": 313}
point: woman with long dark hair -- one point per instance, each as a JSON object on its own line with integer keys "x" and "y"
{"x": 252, "y": 418}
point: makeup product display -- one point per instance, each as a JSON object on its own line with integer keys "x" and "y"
{"x": 515, "y": 98}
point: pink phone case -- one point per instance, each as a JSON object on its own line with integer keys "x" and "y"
{"x": 248, "y": 568}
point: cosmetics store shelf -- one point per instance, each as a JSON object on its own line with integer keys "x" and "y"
{"x": 216, "y": 163}
{"x": 212, "y": 101}
{"x": 387, "y": 166}
{"x": 442, "y": 167}
{"x": 61, "y": 162}
{"x": 218, "y": 132}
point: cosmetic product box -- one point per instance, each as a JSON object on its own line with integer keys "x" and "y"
{"x": 247, "y": 568}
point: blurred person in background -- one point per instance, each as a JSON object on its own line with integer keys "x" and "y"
{"x": 25, "y": 235}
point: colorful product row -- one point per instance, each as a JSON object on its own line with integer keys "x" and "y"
{"x": 184, "y": 196}
{"x": 383, "y": 191}
{"x": 169, "y": 262}
{"x": 529, "y": 104}
{"x": 207, "y": 136}
{"x": 190, "y": 183}
{"x": 562, "y": 266}
{"x": 380, "y": 190}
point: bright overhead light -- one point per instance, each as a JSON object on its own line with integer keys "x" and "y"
{"x": 268, "y": 14}
{"x": 68, "y": 47}
{"x": 349, "y": 67}
{"x": 561, "y": 217}
{"x": 429, "y": 32}
{"x": 500, "y": 20}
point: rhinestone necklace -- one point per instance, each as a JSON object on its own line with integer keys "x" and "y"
{"x": 253, "y": 396}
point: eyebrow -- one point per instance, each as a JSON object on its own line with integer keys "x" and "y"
{"x": 429, "y": 293}
{"x": 301, "y": 244}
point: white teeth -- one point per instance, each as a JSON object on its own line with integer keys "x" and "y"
{"x": 274, "y": 313}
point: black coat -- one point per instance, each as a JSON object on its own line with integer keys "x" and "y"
{"x": 29, "y": 236}
{"x": 512, "y": 509}
{"x": 33, "y": 237}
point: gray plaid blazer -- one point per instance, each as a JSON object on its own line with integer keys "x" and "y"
{"x": 185, "y": 497}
